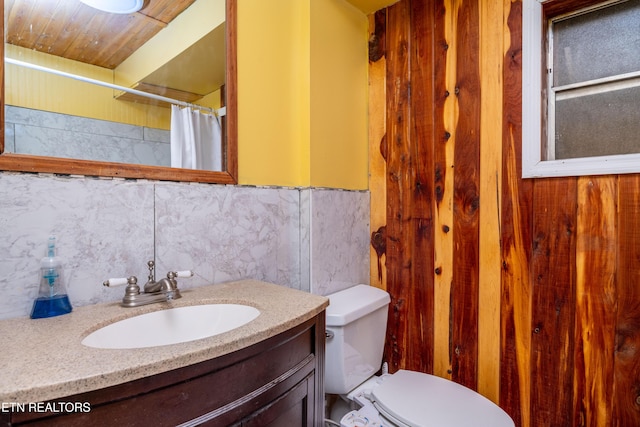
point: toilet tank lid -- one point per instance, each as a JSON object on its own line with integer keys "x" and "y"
{"x": 353, "y": 303}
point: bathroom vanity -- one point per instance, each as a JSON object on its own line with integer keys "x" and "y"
{"x": 268, "y": 372}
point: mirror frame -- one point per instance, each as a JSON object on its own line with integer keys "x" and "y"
{"x": 30, "y": 163}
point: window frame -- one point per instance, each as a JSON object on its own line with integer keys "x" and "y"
{"x": 535, "y": 108}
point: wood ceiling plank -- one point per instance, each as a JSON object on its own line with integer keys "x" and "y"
{"x": 72, "y": 30}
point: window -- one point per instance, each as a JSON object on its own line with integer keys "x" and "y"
{"x": 581, "y": 89}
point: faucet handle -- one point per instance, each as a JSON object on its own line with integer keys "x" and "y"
{"x": 112, "y": 283}
{"x": 183, "y": 273}
{"x": 130, "y": 292}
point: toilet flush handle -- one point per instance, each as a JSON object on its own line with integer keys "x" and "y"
{"x": 328, "y": 334}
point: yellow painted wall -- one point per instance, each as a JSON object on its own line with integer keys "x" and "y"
{"x": 43, "y": 91}
{"x": 339, "y": 93}
{"x": 273, "y": 92}
{"x": 302, "y": 99}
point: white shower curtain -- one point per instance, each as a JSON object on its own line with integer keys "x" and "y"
{"x": 195, "y": 140}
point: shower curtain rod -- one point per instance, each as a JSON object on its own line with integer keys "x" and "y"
{"x": 219, "y": 112}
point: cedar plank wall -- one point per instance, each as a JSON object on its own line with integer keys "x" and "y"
{"x": 527, "y": 290}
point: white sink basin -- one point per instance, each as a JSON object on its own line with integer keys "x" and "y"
{"x": 171, "y": 326}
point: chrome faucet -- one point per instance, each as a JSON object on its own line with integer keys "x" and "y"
{"x": 165, "y": 289}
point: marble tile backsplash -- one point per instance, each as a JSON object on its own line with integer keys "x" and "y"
{"x": 315, "y": 240}
{"x": 45, "y": 133}
{"x": 336, "y": 234}
{"x": 225, "y": 233}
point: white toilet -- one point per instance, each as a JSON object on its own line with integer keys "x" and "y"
{"x": 356, "y": 329}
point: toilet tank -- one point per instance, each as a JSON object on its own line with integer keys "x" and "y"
{"x": 356, "y": 329}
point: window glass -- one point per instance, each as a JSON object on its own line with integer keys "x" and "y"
{"x": 601, "y": 43}
{"x": 598, "y": 125}
{"x": 594, "y": 102}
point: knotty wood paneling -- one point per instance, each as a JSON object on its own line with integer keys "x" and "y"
{"x": 466, "y": 197}
{"x": 445, "y": 113}
{"x": 409, "y": 236}
{"x": 553, "y": 300}
{"x": 516, "y": 223}
{"x": 524, "y": 289}
{"x": 595, "y": 300}
{"x": 400, "y": 179}
{"x": 422, "y": 128}
{"x": 490, "y": 181}
{"x": 626, "y": 386}
{"x": 377, "y": 146}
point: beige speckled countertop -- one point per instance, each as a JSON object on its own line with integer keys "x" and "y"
{"x": 43, "y": 359}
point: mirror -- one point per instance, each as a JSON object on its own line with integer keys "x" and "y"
{"x": 37, "y": 162}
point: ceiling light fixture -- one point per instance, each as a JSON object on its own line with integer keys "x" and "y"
{"x": 115, "y": 6}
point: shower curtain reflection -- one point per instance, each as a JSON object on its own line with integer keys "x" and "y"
{"x": 196, "y": 141}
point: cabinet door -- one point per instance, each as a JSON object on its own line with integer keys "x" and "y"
{"x": 294, "y": 408}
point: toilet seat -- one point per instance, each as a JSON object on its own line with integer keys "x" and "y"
{"x": 422, "y": 400}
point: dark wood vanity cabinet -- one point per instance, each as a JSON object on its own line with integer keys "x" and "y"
{"x": 276, "y": 382}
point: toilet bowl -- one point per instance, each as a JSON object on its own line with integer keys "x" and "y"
{"x": 356, "y": 329}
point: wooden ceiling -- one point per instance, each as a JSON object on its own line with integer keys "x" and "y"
{"x": 73, "y": 30}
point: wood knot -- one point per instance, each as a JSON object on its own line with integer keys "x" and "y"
{"x": 379, "y": 240}
{"x": 439, "y": 194}
{"x": 379, "y": 243}
{"x": 376, "y": 48}
{"x": 383, "y": 147}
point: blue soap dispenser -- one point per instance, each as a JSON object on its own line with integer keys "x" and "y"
{"x": 52, "y": 297}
